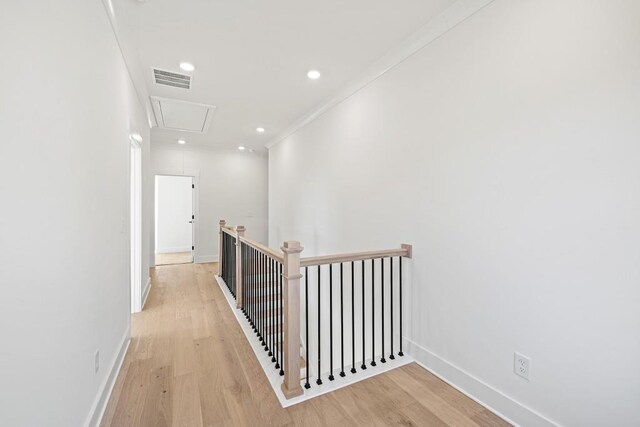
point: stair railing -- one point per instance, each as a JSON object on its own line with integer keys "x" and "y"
{"x": 361, "y": 295}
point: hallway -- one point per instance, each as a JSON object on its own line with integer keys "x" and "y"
{"x": 189, "y": 364}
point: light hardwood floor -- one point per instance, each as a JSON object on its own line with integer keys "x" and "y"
{"x": 174, "y": 258}
{"x": 189, "y": 364}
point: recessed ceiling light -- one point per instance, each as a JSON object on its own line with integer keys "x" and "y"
{"x": 260, "y": 130}
{"x": 182, "y": 141}
{"x": 187, "y": 66}
{"x": 313, "y": 74}
{"x": 136, "y": 137}
{"x": 241, "y": 148}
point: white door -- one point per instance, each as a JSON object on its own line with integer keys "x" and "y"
{"x": 174, "y": 216}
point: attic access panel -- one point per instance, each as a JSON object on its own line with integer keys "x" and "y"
{"x": 184, "y": 116}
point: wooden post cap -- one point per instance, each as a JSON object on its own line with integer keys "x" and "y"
{"x": 222, "y": 222}
{"x": 291, "y": 247}
{"x": 240, "y": 229}
{"x": 408, "y": 248}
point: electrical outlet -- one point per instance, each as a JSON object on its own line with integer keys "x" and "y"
{"x": 521, "y": 365}
{"x": 96, "y": 361}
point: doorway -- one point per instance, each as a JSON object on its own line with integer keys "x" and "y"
{"x": 174, "y": 231}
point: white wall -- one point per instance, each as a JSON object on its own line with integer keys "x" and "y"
{"x": 173, "y": 208}
{"x": 507, "y": 153}
{"x": 66, "y": 113}
{"x": 230, "y": 185}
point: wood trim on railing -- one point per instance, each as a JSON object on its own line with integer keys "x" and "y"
{"x": 264, "y": 249}
{"x": 404, "y": 251}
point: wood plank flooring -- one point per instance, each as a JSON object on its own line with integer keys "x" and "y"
{"x": 174, "y": 258}
{"x": 189, "y": 364}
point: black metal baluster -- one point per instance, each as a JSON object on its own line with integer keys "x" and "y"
{"x": 331, "y": 377}
{"x": 281, "y": 321}
{"x": 232, "y": 265}
{"x": 306, "y": 323}
{"x": 262, "y": 295}
{"x": 226, "y": 259}
{"x": 263, "y": 300}
{"x": 269, "y": 311}
{"x": 382, "y": 359}
{"x": 364, "y": 365}
{"x": 245, "y": 270}
{"x": 251, "y": 296}
{"x": 353, "y": 319}
{"x": 244, "y": 275}
{"x": 267, "y": 304}
{"x": 272, "y": 315}
{"x": 400, "y": 353}
{"x": 342, "y": 374}
{"x": 319, "y": 380}
{"x": 391, "y": 356}
{"x": 373, "y": 314}
{"x": 256, "y": 297}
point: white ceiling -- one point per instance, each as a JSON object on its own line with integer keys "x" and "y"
{"x": 252, "y": 56}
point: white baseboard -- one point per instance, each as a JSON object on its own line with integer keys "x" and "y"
{"x": 100, "y": 404}
{"x": 206, "y": 258}
{"x": 497, "y": 402}
{"x": 174, "y": 250}
{"x": 145, "y": 293}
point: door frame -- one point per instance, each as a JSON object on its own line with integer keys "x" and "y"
{"x": 135, "y": 228}
{"x": 195, "y": 208}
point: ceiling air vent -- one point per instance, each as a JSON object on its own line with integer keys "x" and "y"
{"x": 168, "y": 78}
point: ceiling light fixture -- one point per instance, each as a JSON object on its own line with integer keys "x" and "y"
{"x": 187, "y": 66}
{"x": 182, "y": 141}
{"x": 260, "y": 130}
{"x": 241, "y": 148}
{"x": 313, "y": 74}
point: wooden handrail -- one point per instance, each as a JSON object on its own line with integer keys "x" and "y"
{"x": 229, "y": 230}
{"x": 404, "y": 251}
{"x": 278, "y": 256}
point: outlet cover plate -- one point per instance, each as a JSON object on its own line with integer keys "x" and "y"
{"x": 521, "y": 365}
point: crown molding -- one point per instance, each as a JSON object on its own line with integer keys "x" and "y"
{"x": 130, "y": 57}
{"x": 432, "y": 30}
